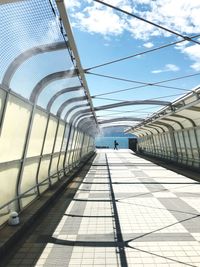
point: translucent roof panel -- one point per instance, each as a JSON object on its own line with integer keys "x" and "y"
{"x": 147, "y": 50}
{"x": 75, "y": 108}
{"x": 23, "y": 25}
{"x": 66, "y": 97}
{"x": 39, "y": 60}
{"x": 55, "y": 87}
{"x": 38, "y": 67}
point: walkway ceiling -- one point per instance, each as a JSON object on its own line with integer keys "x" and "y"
{"x": 39, "y": 59}
{"x": 183, "y": 113}
{"x": 43, "y": 51}
{"x": 123, "y": 74}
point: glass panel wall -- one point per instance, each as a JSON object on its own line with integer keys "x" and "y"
{"x": 181, "y": 146}
{"x": 36, "y": 65}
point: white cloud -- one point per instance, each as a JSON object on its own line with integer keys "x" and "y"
{"x": 181, "y": 16}
{"x": 100, "y": 20}
{"x": 172, "y": 67}
{"x": 72, "y": 4}
{"x": 148, "y": 45}
{"x": 193, "y": 52}
{"x": 167, "y": 68}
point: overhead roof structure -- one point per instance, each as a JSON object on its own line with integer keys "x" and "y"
{"x": 63, "y": 90}
{"x": 65, "y": 81}
{"x": 52, "y": 108}
{"x": 183, "y": 113}
{"x": 106, "y": 70}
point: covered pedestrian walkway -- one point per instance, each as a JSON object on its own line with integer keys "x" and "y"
{"x": 123, "y": 210}
{"x": 73, "y": 205}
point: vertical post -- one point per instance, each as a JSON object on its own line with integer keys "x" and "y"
{"x": 5, "y": 103}
{"x": 75, "y": 145}
{"x": 82, "y": 143}
{"x": 187, "y": 131}
{"x": 196, "y": 139}
{"x": 63, "y": 138}
{"x": 25, "y": 149}
{"x": 67, "y": 146}
{"x": 186, "y": 152}
{"x": 70, "y": 148}
{"x": 41, "y": 153}
{"x": 173, "y": 142}
{"x": 52, "y": 152}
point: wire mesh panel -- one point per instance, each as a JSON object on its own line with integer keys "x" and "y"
{"x": 24, "y": 25}
{"x": 34, "y": 46}
{"x": 37, "y": 75}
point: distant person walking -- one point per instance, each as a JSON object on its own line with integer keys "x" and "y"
{"x": 115, "y": 145}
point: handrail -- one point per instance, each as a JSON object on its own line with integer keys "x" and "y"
{"x": 35, "y": 186}
{"x": 30, "y": 189}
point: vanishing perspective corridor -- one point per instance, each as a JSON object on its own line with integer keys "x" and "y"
{"x": 122, "y": 210}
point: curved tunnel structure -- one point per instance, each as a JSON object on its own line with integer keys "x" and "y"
{"x": 39, "y": 144}
{"x": 48, "y": 122}
{"x": 175, "y": 132}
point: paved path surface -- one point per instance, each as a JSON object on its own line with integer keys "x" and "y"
{"x": 127, "y": 211}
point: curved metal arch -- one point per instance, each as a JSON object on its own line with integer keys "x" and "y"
{"x": 68, "y": 102}
{"x": 19, "y": 60}
{"x": 61, "y": 92}
{"x": 168, "y": 126}
{"x": 81, "y": 117}
{"x": 149, "y": 126}
{"x": 88, "y": 128}
{"x": 123, "y": 125}
{"x": 166, "y": 119}
{"x": 120, "y": 119}
{"x": 73, "y": 108}
{"x": 153, "y": 128}
{"x": 88, "y": 122}
{"x": 114, "y": 125}
{"x": 143, "y": 131}
{"x": 82, "y": 120}
{"x": 184, "y": 117}
{"x": 135, "y": 102}
{"x": 79, "y": 112}
{"x": 152, "y": 133}
{"x": 91, "y": 130}
{"x": 159, "y": 127}
{"x": 140, "y": 134}
{"x": 49, "y": 79}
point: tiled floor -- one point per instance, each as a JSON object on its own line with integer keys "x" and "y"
{"x": 126, "y": 212}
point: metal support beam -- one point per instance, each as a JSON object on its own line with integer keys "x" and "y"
{"x": 68, "y": 102}
{"x": 52, "y": 152}
{"x": 41, "y": 153}
{"x": 135, "y": 102}
{"x": 66, "y": 24}
{"x": 49, "y": 79}
{"x": 63, "y": 138}
{"x": 24, "y": 155}
{"x": 67, "y": 148}
{"x": 74, "y": 108}
{"x": 120, "y": 119}
{"x": 19, "y": 60}
{"x": 61, "y": 92}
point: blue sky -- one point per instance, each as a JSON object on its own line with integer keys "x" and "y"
{"x": 103, "y": 34}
